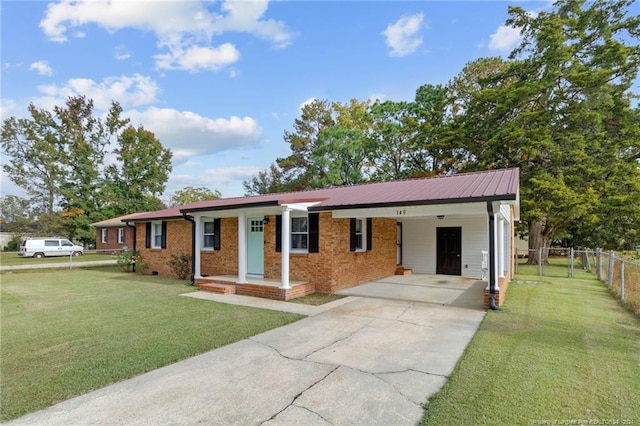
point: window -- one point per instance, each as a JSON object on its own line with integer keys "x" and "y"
{"x": 257, "y": 225}
{"x": 299, "y": 233}
{"x": 103, "y": 235}
{"x": 207, "y": 241}
{"x": 120, "y": 235}
{"x": 360, "y": 230}
{"x": 66, "y": 243}
{"x": 156, "y": 237}
{"x": 51, "y": 243}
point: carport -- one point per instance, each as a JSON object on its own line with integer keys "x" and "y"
{"x": 447, "y": 290}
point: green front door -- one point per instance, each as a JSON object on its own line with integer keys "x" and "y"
{"x": 255, "y": 246}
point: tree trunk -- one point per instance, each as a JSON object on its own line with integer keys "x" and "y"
{"x": 538, "y": 240}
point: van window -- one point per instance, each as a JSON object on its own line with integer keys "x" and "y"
{"x": 23, "y": 243}
{"x": 51, "y": 243}
{"x": 66, "y": 243}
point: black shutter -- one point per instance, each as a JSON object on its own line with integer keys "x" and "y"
{"x": 163, "y": 237}
{"x": 314, "y": 234}
{"x": 369, "y": 234}
{"x": 216, "y": 234}
{"x": 147, "y": 235}
{"x": 353, "y": 241}
{"x": 278, "y": 233}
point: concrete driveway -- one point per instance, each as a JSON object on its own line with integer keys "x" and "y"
{"x": 440, "y": 289}
{"x": 365, "y": 362}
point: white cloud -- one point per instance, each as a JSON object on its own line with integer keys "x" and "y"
{"x": 505, "y": 38}
{"x": 8, "y": 108}
{"x": 189, "y": 134}
{"x": 133, "y": 90}
{"x": 42, "y": 67}
{"x": 403, "y": 36}
{"x": 227, "y": 180}
{"x": 309, "y": 101}
{"x": 184, "y": 28}
{"x": 195, "y": 58}
{"x": 121, "y": 53}
{"x": 377, "y": 97}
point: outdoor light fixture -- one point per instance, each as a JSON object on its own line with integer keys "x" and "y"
{"x": 265, "y": 220}
{"x": 440, "y": 216}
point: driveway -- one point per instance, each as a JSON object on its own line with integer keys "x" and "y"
{"x": 441, "y": 289}
{"x": 366, "y": 361}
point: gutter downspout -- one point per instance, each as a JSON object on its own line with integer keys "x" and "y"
{"x": 193, "y": 247}
{"x": 129, "y": 225}
{"x": 492, "y": 258}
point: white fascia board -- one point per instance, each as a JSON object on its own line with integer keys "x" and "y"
{"x": 301, "y": 207}
{"x": 401, "y": 212}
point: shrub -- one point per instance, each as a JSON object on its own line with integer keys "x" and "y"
{"x": 126, "y": 260}
{"x": 181, "y": 265}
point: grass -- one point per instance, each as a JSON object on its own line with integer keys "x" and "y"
{"x": 12, "y": 259}
{"x": 562, "y": 350}
{"x": 66, "y": 332}
{"x": 316, "y": 299}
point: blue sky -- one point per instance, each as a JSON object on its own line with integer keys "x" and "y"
{"x": 220, "y": 82}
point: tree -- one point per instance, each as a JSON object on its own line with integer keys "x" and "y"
{"x": 35, "y": 157}
{"x": 268, "y": 181}
{"x": 295, "y": 169}
{"x": 140, "y": 174}
{"x": 557, "y": 111}
{"x": 190, "y": 194}
{"x": 15, "y": 214}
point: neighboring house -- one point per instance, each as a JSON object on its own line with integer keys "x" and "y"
{"x": 115, "y": 234}
{"x": 328, "y": 239}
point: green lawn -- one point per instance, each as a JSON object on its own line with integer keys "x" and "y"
{"x": 12, "y": 259}
{"x": 562, "y": 350}
{"x": 66, "y": 332}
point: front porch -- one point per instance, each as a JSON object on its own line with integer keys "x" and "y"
{"x": 255, "y": 286}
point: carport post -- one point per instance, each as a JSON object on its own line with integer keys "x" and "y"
{"x": 492, "y": 257}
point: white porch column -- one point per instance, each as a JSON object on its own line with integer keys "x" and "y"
{"x": 242, "y": 248}
{"x": 496, "y": 260}
{"x": 286, "y": 245}
{"x": 501, "y": 247}
{"x": 198, "y": 246}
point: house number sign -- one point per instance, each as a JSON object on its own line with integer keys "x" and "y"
{"x": 401, "y": 212}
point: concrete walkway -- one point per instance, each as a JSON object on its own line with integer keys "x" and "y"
{"x": 365, "y": 361}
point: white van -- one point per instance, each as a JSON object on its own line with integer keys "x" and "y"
{"x": 41, "y": 247}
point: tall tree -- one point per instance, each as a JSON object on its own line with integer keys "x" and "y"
{"x": 555, "y": 111}
{"x": 141, "y": 172}
{"x": 35, "y": 157}
{"x": 295, "y": 168}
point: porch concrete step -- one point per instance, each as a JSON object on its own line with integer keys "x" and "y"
{"x": 220, "y": 288}
{"x": 400, "y": 270}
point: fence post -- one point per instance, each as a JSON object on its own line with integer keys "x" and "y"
{"x": 599, "y": 264}
{"x": 610, "y": 270}
{"x": 516, "y": 262}
{"x": 571, "y": 262}
{"x": 540, "y": 262}
{"x": 622, "y": 280}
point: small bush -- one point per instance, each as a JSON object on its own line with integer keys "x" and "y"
{"x": 127, "y": 259}
{"x": 181, "y": 265}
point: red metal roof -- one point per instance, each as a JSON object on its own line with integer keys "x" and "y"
{"x": 492, "y": 185}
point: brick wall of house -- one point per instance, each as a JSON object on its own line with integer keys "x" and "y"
{"x": 225, "y": 260}
{"x": 335, "y": 267}
{"x": 112, "y": 243}
{"x": 352, "y": 268}
{"x": 178, "y": 242}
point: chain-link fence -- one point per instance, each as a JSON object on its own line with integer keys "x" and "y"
{"x": 621, "y": 275}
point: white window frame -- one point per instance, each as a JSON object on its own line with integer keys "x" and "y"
{"x": 120, "y": 235}
{"x": 362, "y": 233}
{"x": 156, "y": 226}
{"x": 103, "y": 235}
{"x": 205, "y": 234}
{"x": 292, "y": 233}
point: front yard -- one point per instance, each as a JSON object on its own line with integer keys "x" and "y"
{"x": 66, "y": 332}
